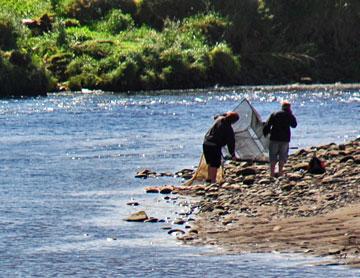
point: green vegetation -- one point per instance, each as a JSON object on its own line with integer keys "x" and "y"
{"x": 123, "y": 45}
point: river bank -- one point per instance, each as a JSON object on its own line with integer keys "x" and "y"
{"x": 301, "y": 212}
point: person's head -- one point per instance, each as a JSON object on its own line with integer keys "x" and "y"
{"x": 285, "y": 105}
{"x": 232, "y": 117}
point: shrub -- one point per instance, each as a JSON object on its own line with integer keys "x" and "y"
{"x": 59, "y": 28}
{"x": 150, "y": 80}
{"x": 125, "y": 77}
{"x": 155, "y": 12}
{"x": 84, "y": 80}
{"x": 89, "y": 10}
{"x": 24, "y": 80}
{"x": 174, "y": 68}
{"x": 246, "y": 31}
{"x": 81, "y": 64}
{"x": 181, "y": 69}
{"x": 94, "y": 48}
{"x": 19, "y": 58}
{"x": 115, "y": 22}
{"x": 40, "y": 46}
{"x": 8, "y": 33}
{"x": 58, "y": 63}
{"x": 76, "y": 35}
{"x": 24, "y": 9}
{"x": 212, "y": 25}
{"x": 224, "y": 65}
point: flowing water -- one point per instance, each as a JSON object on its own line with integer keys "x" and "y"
{"x": 67, "y": 167}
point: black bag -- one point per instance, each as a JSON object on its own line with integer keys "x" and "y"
{"x": 316, "y": 166}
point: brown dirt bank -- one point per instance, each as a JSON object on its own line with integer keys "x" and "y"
{"x": 300, "y": 212}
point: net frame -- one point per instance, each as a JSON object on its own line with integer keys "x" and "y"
{"x": 250, "y": 142}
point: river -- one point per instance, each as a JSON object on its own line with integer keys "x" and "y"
{"x": 67, "y": 170}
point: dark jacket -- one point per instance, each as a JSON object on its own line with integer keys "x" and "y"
{"x": 221, "y": 134}
{"x": 278, "y": 125}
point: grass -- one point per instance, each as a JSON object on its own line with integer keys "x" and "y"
{"x": 25, "y": 8}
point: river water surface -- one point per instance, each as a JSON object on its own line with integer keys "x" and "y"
{"x": 67, "y": 167}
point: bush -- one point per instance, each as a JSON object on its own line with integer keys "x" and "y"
{"x": 24, "y": 9}
{"x": 94, "y": 48}
{"x": 58, "y": 63}
{"x": 155, "y": 12}
{"x": 224, "y": 65}
{"x": 125, "y": 77}
{"x": 25, "y": 80}
{"x": 88, "y": 10}
{"x": 211, "y": 25}
{"x": 247, "y": 29}
{"x": 8, "y": 33}
{"x": 150, "y": 80}
{"x": 81, "y": 64}
{"x": 115, "y": 22}
{"x": 84, "y": 80}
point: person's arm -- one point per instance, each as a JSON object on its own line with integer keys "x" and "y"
{"x": 293, "y": 122}
{"x": 267, "y": 125}
{"x": 231, "y": 143}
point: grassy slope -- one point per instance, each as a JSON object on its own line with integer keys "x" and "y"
{"x": 239, "y": 43}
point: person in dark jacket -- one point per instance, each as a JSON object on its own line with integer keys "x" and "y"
{"x": 219, "y": 135}
{"x": 278, "y": 125}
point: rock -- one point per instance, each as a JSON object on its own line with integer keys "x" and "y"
{"x": 176, "y": 231}
{"x": 185, "y": 173}
{"x": 300, "y": 152}
{"x": 166, "y": 174}
{"x": 145, "y": 173}
{"x": 342, "y": 147}
{"x": 346, "y": 158}
{"x": 264, "y": 181}
{"x": 300, "y": 166}
{"x": 187, "y": 176}
{"x": 132, "y": 203}
{"x": 151, "y": 220}
{"x": 277, "y": 228}
{"x": 357, "y": 159}
{"x": 294, "y": 176}
{"x": 246, "y": 171}
{"x": 287, "y": 187}
{"x": 152, "y": 190}
{"x": 178, "y": 221}
{"x": 166, "y": 190}
{"x": 249, "y": 180}
{"x": 139, "y": 216}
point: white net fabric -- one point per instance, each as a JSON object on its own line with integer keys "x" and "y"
{"x": 250, "y": 143}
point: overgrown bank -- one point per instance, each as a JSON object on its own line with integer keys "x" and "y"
{"x": 121, "y": 45}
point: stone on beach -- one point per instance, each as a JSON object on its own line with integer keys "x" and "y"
{"x": 139, "y": 216}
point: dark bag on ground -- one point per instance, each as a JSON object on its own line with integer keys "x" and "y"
{"x": 316, "y": 166}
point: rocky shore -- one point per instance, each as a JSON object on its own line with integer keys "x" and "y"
{"x": 316, "y": 214}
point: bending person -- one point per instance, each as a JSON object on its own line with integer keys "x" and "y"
{"x": 219, "y": 135}
{"x": 278, "y": 125}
